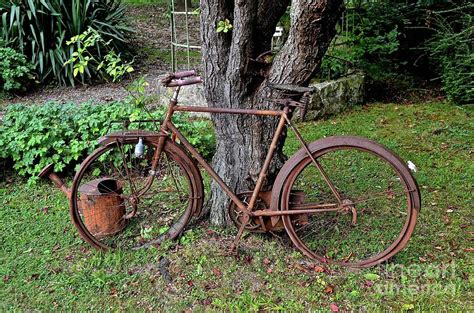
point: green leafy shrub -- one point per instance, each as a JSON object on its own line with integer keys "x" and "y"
{"x": 369, "y": 43}
{"x": 451, "y": 50}
{"x": 40, "y": 28}
{"x": 15, "y": 71}
{"x": 404, "y": 44}
{"x": 89, "y": 66}
{"x": 34, "y": 136}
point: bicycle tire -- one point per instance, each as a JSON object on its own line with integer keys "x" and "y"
{"x": 356, "y": 162}
{"x": 189, "y": 199}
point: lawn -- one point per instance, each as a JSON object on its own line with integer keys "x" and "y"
{"x": 46, "y": 266}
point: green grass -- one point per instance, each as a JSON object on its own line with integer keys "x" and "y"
{"x": 45, "y": 266}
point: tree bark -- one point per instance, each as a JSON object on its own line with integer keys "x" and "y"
{"x": 233, "y": 80}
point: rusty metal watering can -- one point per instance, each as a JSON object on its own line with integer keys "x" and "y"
{"x": 101, "y": 203}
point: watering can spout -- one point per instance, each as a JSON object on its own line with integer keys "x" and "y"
{"x": 47, "y": 172}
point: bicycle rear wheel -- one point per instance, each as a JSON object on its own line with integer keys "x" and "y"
{"x": 366, "y": 217}
{"x": 116, "y": 205}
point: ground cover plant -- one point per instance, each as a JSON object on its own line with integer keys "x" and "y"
{"x": 16, "y": 72}
{"x": 46, "y": 266}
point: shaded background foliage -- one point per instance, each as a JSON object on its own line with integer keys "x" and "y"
{"x": 406, "y": 42}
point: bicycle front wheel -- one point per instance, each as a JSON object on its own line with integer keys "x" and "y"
{"x": 361, "y": 199}
{"x": 119, "y": 202}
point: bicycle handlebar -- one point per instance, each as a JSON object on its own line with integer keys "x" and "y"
{"x": 179, "y": 75}
{"x": 177, "y": 79}
{"x": 184, "y": 82}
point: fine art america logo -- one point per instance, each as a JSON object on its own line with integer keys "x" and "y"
{"x": 444, "y": 279}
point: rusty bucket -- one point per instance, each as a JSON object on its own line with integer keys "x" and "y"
{"x": 102, "y": 207}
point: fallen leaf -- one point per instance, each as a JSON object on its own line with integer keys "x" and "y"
{"x": 6, "y": 279}
{"x": 423, "y": 260}
{"x": 269, "y": 270}
{"x": 190, "y": 283}
{"x": 217, "y": 272}
{"x": 329, "y": 289}
{"x": 319, "y": 269}
{"x": 84, "y": 250}
{"x": 266, "y": 261}
{"x": 45, "y": 210}
{"x": 368, "y": 283}
{"x": 469, "y": 250}
{"x": 206, "y": 302}
{"x": 209, "y": 286}
{"x": 334, "y": 307}
{"x": 438, "y": 248}
{"x": 113, "y": 292}
{"x": 301, "y": 268}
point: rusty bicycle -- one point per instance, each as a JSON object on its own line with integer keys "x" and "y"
{"x": 342, "y": 200}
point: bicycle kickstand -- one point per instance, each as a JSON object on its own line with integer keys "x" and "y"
{"x": 235, "y": 245}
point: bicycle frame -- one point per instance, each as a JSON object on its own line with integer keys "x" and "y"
{"x": 167, "y": 126}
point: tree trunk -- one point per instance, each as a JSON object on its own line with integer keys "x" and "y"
{"x": 233, "y": 80}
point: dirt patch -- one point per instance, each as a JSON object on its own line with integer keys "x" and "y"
{"x": 153, "y": 27}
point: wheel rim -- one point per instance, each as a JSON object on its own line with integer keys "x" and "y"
{"x": 348, "y": 244}
{"x": 111, "y": 222}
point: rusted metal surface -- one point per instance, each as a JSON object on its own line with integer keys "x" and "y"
{"x": 207, "y": 167}
{"x": 300, "y": 160}
{"x": 101, "y": 203}
{"x": 256, "y": 210}
{"x": 171, "y": 77}
{"x": 124, "y": 135}
{"x": 259, "y": 217}
{"x": 227, "y": 110}
{"x": 47, "y": 172}
{"x": 102, "y": 207}
{"x": 171, "y": 149}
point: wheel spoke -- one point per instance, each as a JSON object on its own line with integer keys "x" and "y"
{"x": 120, "y": 219}
{"x": 374, "y": 217}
